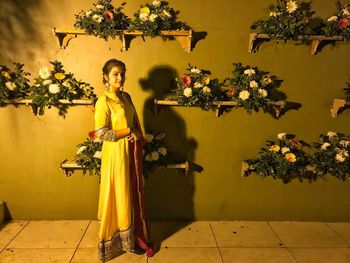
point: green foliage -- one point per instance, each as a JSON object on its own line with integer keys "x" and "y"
{"x": 250, "y": 88}
{"x": 152, "y": 18}
{"x": 52, "y": 86}
{"x": 89, "y": 156}
{"x": 13, "y": 84}
{"x": 103, "y": 21}
{"x": 339, "y": 23}
{"x": 332, "y": 155}
{"x": 196, "y": 89}
{"x": 288, "y": 20}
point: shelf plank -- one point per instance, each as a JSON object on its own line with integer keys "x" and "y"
{"x": 68, "y": 102}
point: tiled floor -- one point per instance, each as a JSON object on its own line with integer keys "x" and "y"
{"x": 182, "y": 242}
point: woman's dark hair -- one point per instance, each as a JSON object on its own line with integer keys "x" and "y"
{"x": 109, "y": 65}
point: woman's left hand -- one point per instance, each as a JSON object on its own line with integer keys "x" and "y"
{"x": 134, "y": 135}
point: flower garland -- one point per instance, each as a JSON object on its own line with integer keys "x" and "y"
{"x": 288, "y": 20}
{"x": 54, "y": 85}
{"x": 89, "y": 156}
{"x": 103, "y": 21}
{"x": 339, "y": 23}
{"x": 13, "y": 84}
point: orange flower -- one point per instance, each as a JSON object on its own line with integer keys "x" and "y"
{"x": 60, "y": 75}
{"x": 290, "y": 157}
{"x": 5, "y": 74}
{"x": 274, "y": 148}
{"x": 206, "y": 80}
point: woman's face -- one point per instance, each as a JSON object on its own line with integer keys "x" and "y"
{"x": 116, "y": 77}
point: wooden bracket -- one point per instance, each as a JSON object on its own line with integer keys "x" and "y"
{"x": 255, "y": 41}
{"x": 316, "y": 41}
{"x": 338, "y": 104}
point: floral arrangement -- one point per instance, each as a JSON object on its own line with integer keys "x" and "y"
{"x": 284, "y": 159}
{"x": 250, "y": 88}
{"x": 196, "y": 88}
{"x": 339, "y": 23}
{"x": 89, "y": 155}
{"x": 154, "y": 17}
{"x": 332, "y": 155}
{"x": 103, "y": 21}
{"x": 288, "y": 20}
{"x": 347, "y": 91}
{"x": 13, "y": 84}
{"x": 54, "y": 85}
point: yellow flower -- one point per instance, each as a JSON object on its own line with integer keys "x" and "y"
{"x": 290, "y": 157}
{"x": 145, "y": 10}
{"x": 274, "y": 148}
{"x": 206, "y": 80}
{"x": 5, "y": 74}
{"x": 60, "y": 75}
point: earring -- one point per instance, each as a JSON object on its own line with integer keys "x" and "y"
{"x": 107, "y": 85}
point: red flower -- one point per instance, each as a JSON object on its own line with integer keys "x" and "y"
{"x": 92, "y": 135}
{"x": 231, "y": 92}
{"x": 186, "y": 80}
{"x": 108, "y": 14}
{"x": 295, "y": 143}
{"x": 343, "y": 23}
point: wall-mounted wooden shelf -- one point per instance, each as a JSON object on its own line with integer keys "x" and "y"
{"x": 218, "y": 105}
{"x": 338, "y": 106}
{"x": 70, "y": 166}
{"x": 68, "y": 102}
{"x": 182, "y": 36}
{"x": 255, "y": 40}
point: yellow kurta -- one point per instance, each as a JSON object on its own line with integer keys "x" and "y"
{"x": 115, "y": 208}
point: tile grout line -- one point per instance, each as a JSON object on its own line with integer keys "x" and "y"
{"x": 280, "y": 239}
{"x": 14, "y": 237}
{"x": 336, "y": 232}
{"x": 79, "y": 242}
{"x": 217, "y": 245}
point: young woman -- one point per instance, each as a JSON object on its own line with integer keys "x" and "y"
{"x": 123, "y": 225}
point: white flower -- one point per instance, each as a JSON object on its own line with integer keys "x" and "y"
{"x": 162, "y": 151}
{"x": 206, "y": 90}
{"x": 344, "y": 143}
{"x": 274, "y": 14}
{"x": 341, "y": 156}
{"x": 197, "y": 85}
{"x": 149, "y": 137}
{"x": 291, "y": 6}
{"x": 253, "y": 84}
{"x": 332, "y": 18}
{"x": 187, "y": 92}
{"x": 98, "y": 154}
{"x": 153, "y": 17}
{"x": 325, "y": 146}
{"x": 281, "y": 135}
{"x": 166, "y": 13}
{"x": 67, "y": 85}
{"x": 44, "y": 73}
{"x": 143, "y": 16}
{"x": 99, "y": 6}
{"x": 195, "y": 70}
{"x": 81, "y": 149}
{"x": 249, "y": 72}
{"x": 262, "y": 92}
{"x": 346, "y": 12}
{"x": 88, "y": 13}
{"x": 47, "y": 82}
{"x": 154, "y": 156}
{"x": 244, "y": 95}
{"x": 156, "y": 3}
{"x": 97, "y": 18}
{"x": 331, "y": 134}
{"x": 160, "y": 136}
{"x": 54, "y": 88}
{"x": 285, "y": 150}
{"x": 148, "y": 158}
{"x": 10, "y": 85}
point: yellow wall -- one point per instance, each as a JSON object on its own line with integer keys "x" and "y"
{"x": 32, "y": 147}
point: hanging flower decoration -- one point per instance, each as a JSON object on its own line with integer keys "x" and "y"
{"x": 89, "y": 155}
{"x": 283, "y": 159}
{"x": 196, "y": 88}
{"x": 332, "y": 155}
{"x": 103, "y": 21}
{"x": 153, "y": 17}
{"x": 13, "y": 84}
{"x": 250, "y": 88}
{"x": 54, "y": 85}
{"x": 288, "y": 20}
{"x": 339, "y": 23}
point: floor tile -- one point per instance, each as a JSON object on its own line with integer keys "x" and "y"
{"x": 256, "y": 255}
{"x": 50, "y": 234}
{"x": 321, "y": 255}
{"x": 186, "y": 255}
{"x": 182, "y": 234}
{"x": 90, "y": 255}
{"x": 343, "y": 229}
{"x": 90, "y": 239}
{"x": 244, "y": 234}
{"x": 36, "y": 255}
{"x": 9, "y": 231}
{"x": 307, "y": 234}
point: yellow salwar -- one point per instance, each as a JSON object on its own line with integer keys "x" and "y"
{"x": 115, "y": 204}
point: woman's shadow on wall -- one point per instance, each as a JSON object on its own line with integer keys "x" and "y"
{"x": 168, "y": 192}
